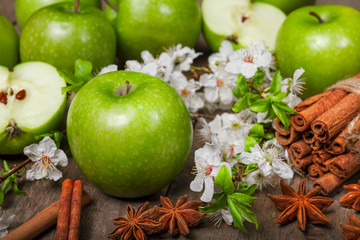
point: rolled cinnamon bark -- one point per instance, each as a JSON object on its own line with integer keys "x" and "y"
{"x": 325, "y": 166}
{"x": 316, "y": 146}
{"x": 304, "y": 118}
{"x": 310, "y": 101}
{"x": 314, "y": 172}
{"x": 300, "y": 149}
{"x": 299, "y": 163}
{"x": 289, "y": 138}
{"x": 320, "y": 156}
{"x": 62, "y": 228}
{"x": 343, "y": 165}
{"x": 330, "y": 124}
{"x": 338, "y": 146}
{"x": 308, "y": 137}
{"x": 281, "y": 128}
{"x": 328, "y": 183}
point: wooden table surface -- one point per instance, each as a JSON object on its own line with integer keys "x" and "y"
{"x": 96, "y": 219}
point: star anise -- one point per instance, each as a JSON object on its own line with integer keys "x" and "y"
{"x": 300, "y": 205}
{"x": 139, "y": 224}
{"x": 185, "y": 214}
{"x": 351, "y": 231}
{"x": 352, "y": 197}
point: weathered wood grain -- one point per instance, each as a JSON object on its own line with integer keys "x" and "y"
{"x": 96, "y": 218}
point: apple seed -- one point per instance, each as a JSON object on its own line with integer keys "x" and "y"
{"x": 21, "y": 94}
{"x": 3, "y": 98}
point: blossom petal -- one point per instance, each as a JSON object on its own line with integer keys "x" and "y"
{"x": 197, "y": 184}
{"x": 211, "y": 94}
{"x": 60, "y": 158}
{"x": 209, "y": 190}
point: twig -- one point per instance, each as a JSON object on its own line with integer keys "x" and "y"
{"x": 15, "y": 169}
{"x": 110, "y": 5}
{"x": 197, "y": 115}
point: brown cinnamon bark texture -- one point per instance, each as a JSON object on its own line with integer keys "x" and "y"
{"x": 280, "y": 127}
{"x": 300, "y": 149}
{"x": 328, "y": 183}
{"x": 299, "y": 163}
{"x": 325, "y": 166}
{"x": 320, "y": 156}
{"x": 62, "y": 228}
{"x": 314, "y": 172}
{"x": 308, "y": 137}
{"x": 333, "y": 121}
{"x": 343, "y": 165}
{"x": 316, "y": 146}
{"x": 75, "y": 212}
{"x": 40, "y": 222}
{"x": 304, "y": 118}
{"x": 289, "y": 138}
{"x": 310, "y": 101}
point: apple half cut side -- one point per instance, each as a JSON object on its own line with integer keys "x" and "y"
{"x": 31, "y": 103}
{"x": 242, "y": 20}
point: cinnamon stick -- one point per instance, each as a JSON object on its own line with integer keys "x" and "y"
{"x": 299, "y": 163}
{"x": 320, "y": 156}
{"x": 40, "y": 222}
{"x": 325, "y": 166}
{"x": 75, "y": 212}
{"x": 310, "y": 101}
{"x": 316, "y": 146}
{"x": 330, "y": 123}
{"x": 288, "y": 138}
{"x": 62, "y": 228}
{"x": 304, "y": 118}
{"x": 343, "y": 165}
{"x": 280, "y": 127}
{"x": 308, "y": 137}
{"x": 314, "y": 172}
{"x": 300, "y": 149}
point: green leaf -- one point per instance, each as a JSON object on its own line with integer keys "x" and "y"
{"x": 242, "y": 85}
{"x": 250, "y": 142}
{"x": 250, "y": 167}
{"x": 58, "y": 137}
{"x": 218, "y": 195}
{"x": 83, "y": 69}
{"x": 258, "y": 79}
{"x": 41, "y": 136}
{"x": 252, "y": 98}
{"x": 237, "y": 218}
{"x": 219, "y": 204}
{"x": 270, "y": 113}
{"x": 242, "y": 198}
{"x": 73, "y": 88}
{"x": 224, "y": 181}
{"x": 1, "y": 197}
{"x": 275, "y": 86}
{"x": 278, "y": 97}
{"x": 241, "y": 104}
{"x": 236, "y": 93}
{"x": 269, "y": 136}
{"x": 248, "y": 190}
{"x": 6, "y": 166}
{"x": 68, "y": 77}
{"x": 260, "y": 106}
{"x": 281, "y": 114}
{"x": 6, "y": 185}
{"x": 257, "y": 130}
{"x": 17, "y": 191}
{"x": 286, "y": 108}
{"x": 245, "y": 212}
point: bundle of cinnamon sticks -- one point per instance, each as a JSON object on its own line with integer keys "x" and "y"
{"x": 318, "y": 138}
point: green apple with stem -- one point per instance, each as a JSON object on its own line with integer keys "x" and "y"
{"x": 129, "y": 133}
{"x": 324, "y": 40}
{"x": 31, "y": 103}
{"x": 155, "y": 25}
{"x": 240, "y": 21}
{"x": 9, "y": 43}
{"x": 25, "y": 8}
{"x": 62, "y": 33}
{"x": 288, "y": 6}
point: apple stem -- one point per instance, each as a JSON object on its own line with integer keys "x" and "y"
{"x": 15, "y": 169}
{"x": 317, "y": 16}
{"x": 110, "y": 5}
{"x": 198, "y": 115}
{"x": 125, "y": 89}
{"x": 76, "y": 8}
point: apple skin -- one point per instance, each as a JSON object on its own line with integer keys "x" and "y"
{"x": 15, "y": 144}
{"x": 327, "y": 51}
{"x": 288, "y": 6}
{"x": 25, "y": 8}
{"x": 57, "y": 35}
{"x": 9, "y": 43}
{"x": 133, "y": 145}
{"x": 155, "y": 25}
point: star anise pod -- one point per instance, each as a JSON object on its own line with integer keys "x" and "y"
{"x": 300, "y": 205}
{"x": 351, "y": 231}
{"x": 185, "y": 214}
{"x": 139, "y": 224}
{"x": 352, "y": 197}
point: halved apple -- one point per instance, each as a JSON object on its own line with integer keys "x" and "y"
{"x": 242, "y": 21}
{"x": 31, "y": 103}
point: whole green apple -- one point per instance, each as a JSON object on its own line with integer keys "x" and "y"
{"x": 240, "y": 21}
{"x": 25, "y": 8}
{"x": 155, "y": 25}
{"x": 58, "y": 34}
{"x": 129, "y": 141}
{"x": 9, "y": 43}
{"x": 324, "y": 40}
{"x": 31, "y": 103}
{"x": 288, "y": 6}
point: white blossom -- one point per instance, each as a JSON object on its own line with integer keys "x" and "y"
{"x": 109, "y": 68}
{"x": 182, "y": 57}
{"x": 46, "y": 157}
{"x": 220, "y": 215}
{"x": 187, "y": 90}
{"x": 6, "y": 219}
{"x": 246, "y": 61}
{"x": 208, "y": 163}
{"x": 148, "y": 68}
{"x": 219, "y": 59}
{"x": 210, "y": 129}
{"x": 258, "y": 177}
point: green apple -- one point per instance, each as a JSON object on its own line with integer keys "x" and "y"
{"x": 154, "y": 25}
{"x": 58, "y": 34}
{"x": 129, "y": 143}
{"x": 327, "y": 46}
{"x": 31, "y": 103}
{"x": 288, "y": 6}
{"x": 25, "y": 8}
{"x": 9, "y": 43}
{"x": 241, "y": 21}
{"x": 110, "y": 12}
